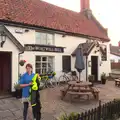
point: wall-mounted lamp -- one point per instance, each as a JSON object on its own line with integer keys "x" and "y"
{"x": 100, "y": 63}
{"x": 95, "y": 51}
{"x": 89, "y": 63}
{"x": 2, "y": 39}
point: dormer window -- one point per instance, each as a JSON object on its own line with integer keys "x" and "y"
{"x": 44, "y": 38}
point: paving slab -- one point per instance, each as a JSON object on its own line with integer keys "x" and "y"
{"x": 53, "y": 106}
{"x": 5, "y": 114}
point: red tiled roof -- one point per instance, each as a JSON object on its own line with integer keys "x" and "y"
{"x": 42, "y": 14}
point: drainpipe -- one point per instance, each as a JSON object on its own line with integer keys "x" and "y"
{"x": 86, "y": 68}
{"x": 18, "y": 62}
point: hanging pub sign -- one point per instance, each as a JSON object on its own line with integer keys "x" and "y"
{"x": 43, "y": 48}
{"x": 103, "y": 50}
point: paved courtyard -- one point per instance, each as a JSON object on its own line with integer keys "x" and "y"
{"x": 53, "y": 106}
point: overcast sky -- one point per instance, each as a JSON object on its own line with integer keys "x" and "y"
{"x": 106, "y": 11}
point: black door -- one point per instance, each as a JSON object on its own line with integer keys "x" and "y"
{"x": 66, "y": 63}
{"x": 5, "y": 72}
{"x": 94, "y": 67}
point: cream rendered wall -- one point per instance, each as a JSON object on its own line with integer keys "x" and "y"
{"x": 105, "y": 66}
{"x": 23, "y": 38}
{"x": 10, "y": 47}
{"x": 69, "y": 42}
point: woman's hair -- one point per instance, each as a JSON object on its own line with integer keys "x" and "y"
{"x": 29, "y": 65}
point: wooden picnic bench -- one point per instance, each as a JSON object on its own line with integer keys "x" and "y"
{"x": 117, "y": 82}
{"x": 77, "y": 88}
{"x": 96, "y": 92}
{"x": 64, "y": 90}
{"x": 78, "y": 93}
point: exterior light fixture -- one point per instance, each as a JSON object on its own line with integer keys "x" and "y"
{"x": 2, "y": 39}
{"x": 101, "y": 63}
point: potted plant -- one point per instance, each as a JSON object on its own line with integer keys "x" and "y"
{"x": 22, "y": 62}
{"x": 71, "y": 116}
{"x": 18, "y": 90}
{"x": 91, "y": 79}
{"x": 103, "y": 78}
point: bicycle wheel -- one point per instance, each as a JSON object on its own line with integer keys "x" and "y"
{"x": 69, "y": 77}
{"x": 63, "y": 79}
{"x": 74, "y": 78}
{"x": 42, "y": 84}
{"x": 54, "y": 81}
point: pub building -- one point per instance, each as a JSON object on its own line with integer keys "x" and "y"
{"x": 47, "y": 36}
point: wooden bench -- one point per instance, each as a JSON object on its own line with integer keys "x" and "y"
{"x": 63, "y": 92}
{"x": 96, "y": 92}
{"x": 85, "y": 89}
{"x": 117, "y": 82}
{"x": 74, "y": 89}
{"x": 78, "y": 93}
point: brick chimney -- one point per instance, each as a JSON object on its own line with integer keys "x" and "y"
{"x": 119, "y": 44}
{"x": 85, "y": 8}
{"x": 85, "y": 5}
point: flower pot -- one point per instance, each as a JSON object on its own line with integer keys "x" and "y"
{"x": 103, "y": 81}
{"x": 21, "y": 64}
{"x": 91, "y": 79}
{"x": 18, "y": 93}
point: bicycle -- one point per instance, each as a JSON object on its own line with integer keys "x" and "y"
{"x": 68, "y": 76}
{"x": 48, "y": 80}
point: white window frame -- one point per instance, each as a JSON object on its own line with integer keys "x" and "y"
{"x": 41, "y": 62}
{"x": 53, "y": 40}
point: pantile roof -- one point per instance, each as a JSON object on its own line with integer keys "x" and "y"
{"x": 42, "y": 14}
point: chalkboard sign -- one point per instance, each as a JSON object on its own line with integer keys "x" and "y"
{"x": 43, "y": 48}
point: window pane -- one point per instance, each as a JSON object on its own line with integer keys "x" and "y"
{"x": 50, "y": 39}
{"x": 37, "y": 65}
{"x": 44, "y": 65}
{"x": 37, "y": 37}
{"x": 38, "y": 58}
{"x": 50, "y": 67}
{"x": 43, "y": 38}
{"x": 44, "y": 58}
{"x": 37, "y": 70}
{"x": 50, "y": 59}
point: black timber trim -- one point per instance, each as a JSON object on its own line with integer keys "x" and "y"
{"x": 11, "y": 37}
{"x": 43, "y": 48}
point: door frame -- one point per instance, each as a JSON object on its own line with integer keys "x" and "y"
{"x": 9, "y": 52}
{"x": 97, "y": 67}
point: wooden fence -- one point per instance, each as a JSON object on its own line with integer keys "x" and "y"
{"x": 115, "y": 65}
{"x": 107, "y": 111}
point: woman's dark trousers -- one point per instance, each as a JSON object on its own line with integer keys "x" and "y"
{"x": 36, "y": 110}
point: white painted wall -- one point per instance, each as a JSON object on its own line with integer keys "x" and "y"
{"x": 105, "y": 66}
{"x": 10, "y": 47}
{"x": 68, "y": 41}
{"x": 114, "y": 57}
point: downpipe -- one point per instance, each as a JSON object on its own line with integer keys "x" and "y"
{"x": 18, "y": 62}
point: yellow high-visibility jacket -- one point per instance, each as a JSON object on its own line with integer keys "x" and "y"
{"x": 34, "y": 90}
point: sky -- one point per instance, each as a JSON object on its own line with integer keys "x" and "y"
{"x": 106, "y": 11}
